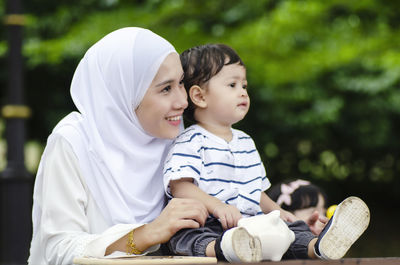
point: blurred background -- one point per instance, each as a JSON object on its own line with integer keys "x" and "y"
{"x": 324, "y": 80}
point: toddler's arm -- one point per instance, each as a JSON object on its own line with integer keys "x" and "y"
{"x": 268, "y": 205}
{"x": 228, "y": 215}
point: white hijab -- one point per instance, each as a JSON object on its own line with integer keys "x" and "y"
{"x": 121, "y": 163}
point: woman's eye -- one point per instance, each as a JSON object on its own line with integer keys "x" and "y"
{"x": 166, "y": 89}
{"x": 181, "y": 83}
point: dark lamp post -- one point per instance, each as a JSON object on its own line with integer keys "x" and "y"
{"x": 15, "y": 181}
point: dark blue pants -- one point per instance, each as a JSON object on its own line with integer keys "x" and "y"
{"x": 193, "y": 242}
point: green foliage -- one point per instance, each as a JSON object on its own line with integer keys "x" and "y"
{"x": 324, "y": 81}
{"x": 324, "y": 76}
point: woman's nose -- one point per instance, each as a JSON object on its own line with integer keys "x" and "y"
{"x": 181, "y": 100}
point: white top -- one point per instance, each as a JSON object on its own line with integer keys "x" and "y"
{"x": 100, "y": 169}
{"x": 231, "y": 171}
{"x": 78, "y": 227}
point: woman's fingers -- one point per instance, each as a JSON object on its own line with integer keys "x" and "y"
{"x": 178, "y": 214}
{"x": 186, "y": 223}
{"x": 188, "y": 209}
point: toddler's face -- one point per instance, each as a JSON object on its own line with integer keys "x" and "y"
{"x": 226, "y": 95}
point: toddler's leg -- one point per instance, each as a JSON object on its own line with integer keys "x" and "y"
{"x": 234, "y": 245}
{"x": 349, "y": 221}
{"x": 299, "y": 249}
{"x": 193, "y": 242}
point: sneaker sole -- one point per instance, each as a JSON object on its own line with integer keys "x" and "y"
{"x": 350, "y": 220}
{"x": 246, "y": 247}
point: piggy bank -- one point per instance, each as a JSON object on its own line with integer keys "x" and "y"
{"x": 275, "y": 236}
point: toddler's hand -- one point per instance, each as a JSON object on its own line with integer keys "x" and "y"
{"x": 227, "y": 214}
{"x": 316, "y": 222}
{"x": 288, "y": 216}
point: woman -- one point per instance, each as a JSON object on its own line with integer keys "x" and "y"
{"x": 99, "y": 189}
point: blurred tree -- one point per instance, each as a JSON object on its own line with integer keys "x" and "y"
{"x": 324, "y": 79}
{"x": 324, "y": 76}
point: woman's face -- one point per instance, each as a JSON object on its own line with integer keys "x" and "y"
{"x": 160, "y": 112}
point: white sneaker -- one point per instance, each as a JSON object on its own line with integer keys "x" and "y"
{"x": 350, "y": 220}
{"x": 239, "y": 246}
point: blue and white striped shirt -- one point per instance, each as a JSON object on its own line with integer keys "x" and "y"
{"x": 233, "y": 172}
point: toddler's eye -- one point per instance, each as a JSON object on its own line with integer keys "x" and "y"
{"x": 244, "y": 86}
{"x": 232, "y": 85}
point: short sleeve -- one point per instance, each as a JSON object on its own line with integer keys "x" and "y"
{"x": 265, "y": 183}
{"x": 184, "y": 160}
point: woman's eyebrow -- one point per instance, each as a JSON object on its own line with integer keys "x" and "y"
{"x": 165, "y": 82}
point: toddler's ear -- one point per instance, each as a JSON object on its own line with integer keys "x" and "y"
{"x": 196, "y": 94}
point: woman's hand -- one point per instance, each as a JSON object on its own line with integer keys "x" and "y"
{"x": 178, "y": 214}
{"x": 228, "y": 215}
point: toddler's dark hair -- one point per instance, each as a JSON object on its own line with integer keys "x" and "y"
{"x": 303, "y": 195}
{"x": 201, "y": 63}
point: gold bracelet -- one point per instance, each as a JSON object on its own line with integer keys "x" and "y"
{"x": 131, "y": 246}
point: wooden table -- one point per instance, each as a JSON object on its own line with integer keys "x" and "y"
{"x": 156, "y": 260}
{"x": 146, "y": 260}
